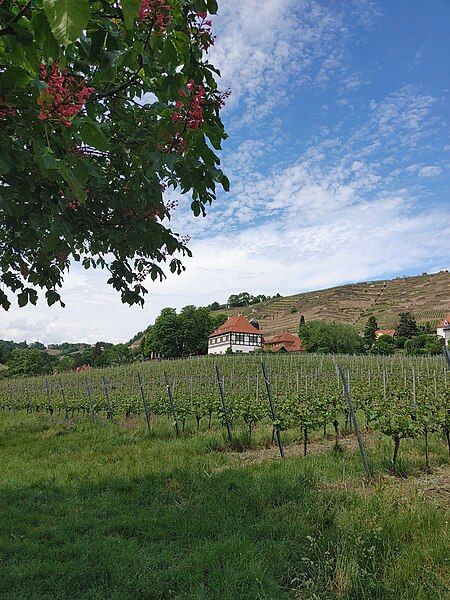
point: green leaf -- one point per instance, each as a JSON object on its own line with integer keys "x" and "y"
{"x": 44, "y": 36}
{"x": 130, "y": 10}
{"x": 15, "y": 77}
{"x": 93, "y": 135}
{"x": 212, "y": 6}
{"x": 67, "y": 18}
{"x": 72, "y": 180}
{"x": 195, "y": 207}
{"x": 22, "y": 298}
{"x": 4, "y": 302}
{"x": 169, "y": 53}
{"x": 52, "y": 297}
{"x": 225, "y": 183}
{"x": 48, "y": 160}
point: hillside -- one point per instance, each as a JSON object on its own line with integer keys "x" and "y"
{"x": 427, "y": 297}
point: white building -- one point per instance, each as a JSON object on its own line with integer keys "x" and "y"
{"x": 443, "y": 330}
{"x": 236, "y": 333}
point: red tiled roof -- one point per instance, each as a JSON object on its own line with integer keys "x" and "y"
{"x": 390, "y": 332}
{"x": 281, "y": 338}
{"x": 445, "y": 322}
{"x": 297, "y": 346}
{"x": 235, "y": 324}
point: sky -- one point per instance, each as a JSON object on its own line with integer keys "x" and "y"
{"x": 338, "y": 156}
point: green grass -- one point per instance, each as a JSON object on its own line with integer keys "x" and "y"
{"x": 97, "y": 510}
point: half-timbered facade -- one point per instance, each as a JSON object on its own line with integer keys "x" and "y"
{"x": 236, "y": 333}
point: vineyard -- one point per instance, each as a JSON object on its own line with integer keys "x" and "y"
{"x": 400, "y": 397}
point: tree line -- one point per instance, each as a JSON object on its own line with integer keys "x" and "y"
{"x": 240, "y": 300}
{"x": 341, "y": 338}
{"x": 185, "y": 333}
{"x": 173, "y": 335}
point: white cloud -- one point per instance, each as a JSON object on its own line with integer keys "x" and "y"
{"x": 262, "y": 47}
{"x": 336, "y": 210}
{"x": 430, "y": 171}
{"x": 346, "y": 242}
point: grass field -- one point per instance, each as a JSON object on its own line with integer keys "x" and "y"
{"x": 104, "y": 510}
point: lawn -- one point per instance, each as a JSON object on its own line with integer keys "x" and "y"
{"x": 104, "y": 510}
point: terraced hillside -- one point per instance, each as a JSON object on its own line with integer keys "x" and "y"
{"x": 427, "y": 297}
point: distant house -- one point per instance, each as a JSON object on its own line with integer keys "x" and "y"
{"x": 236, "y": 333}
{"x": 390, "y": 332}
{"x": 283, "y": 342}
{"x": 443, "y": 329}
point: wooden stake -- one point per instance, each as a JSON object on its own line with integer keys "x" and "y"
{"x": 108, "y": 402}
{"x": 144, "y": 402}
{"x": 61, "y": 385}
{"x": 272, "y": 410}
{"x": 224, "y": 405}
{"x": 88, "y": 389}
{"x": 171, "y": 404}
{"x": 355, "y": 424}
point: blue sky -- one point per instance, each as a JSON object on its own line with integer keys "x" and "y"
{"x": 338, "y": 158}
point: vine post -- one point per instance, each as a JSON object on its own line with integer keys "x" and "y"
{"x": 63, "y": 396}
{"x": 362, "y": 448}
{"x": 276, "y": 427}
{"x": 148, "y": 415}
{"x": 107, "y": 398}
{"x": 224, "y": 405}
{"x": 171, "y": 404}
{"x": 89, "y": 395}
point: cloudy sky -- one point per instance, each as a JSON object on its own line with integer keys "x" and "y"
{"x": 338, "y": 158}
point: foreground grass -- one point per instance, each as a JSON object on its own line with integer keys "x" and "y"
{"x": 96, "y": 510}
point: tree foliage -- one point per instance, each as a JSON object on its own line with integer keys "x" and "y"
{"x": 385, "y": 344}
{"x": 29, "y": 362}
{"x": 369, "y": 331}
{"x": 104, "y": 105}
{"x": 407, "y": 326}
{"x": 318, "y": 336}
{"x": 245, "y": 299}
{"x": 174, "y": 335}
{"x": 424, "y": 344}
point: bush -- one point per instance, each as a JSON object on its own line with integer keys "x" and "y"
{"x": 335, "y": 338}
{"x": 385, "y": 344}
{"x": 423, "y": 344}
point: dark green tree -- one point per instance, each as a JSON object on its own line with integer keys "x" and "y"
{"x": 424, "y": 344}
{"x": 119, "y": 354}
{"x": 407, "y": 326}
{"x": 6, "y": 348}
{"x": 196, "y": 325}
{"x": 302, "y": 322}
{"x": 318, "y": 336}
{"x": 217, "y": 321}
{"x": 369, "y": 331}
{"x": 167, "y": 334}
{"x": 385, "y": 344}
{"x": 26, "y": 362}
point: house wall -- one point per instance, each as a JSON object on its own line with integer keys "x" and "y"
{"x": 220, "y": 343}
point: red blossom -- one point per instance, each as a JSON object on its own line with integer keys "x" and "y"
{"x": 157, "y": 12}
{"x": 202, "y": 30}
{"x": 64, "y": 95}
{"x": 190, "y": 109}
{"x": 222, "y": 98}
